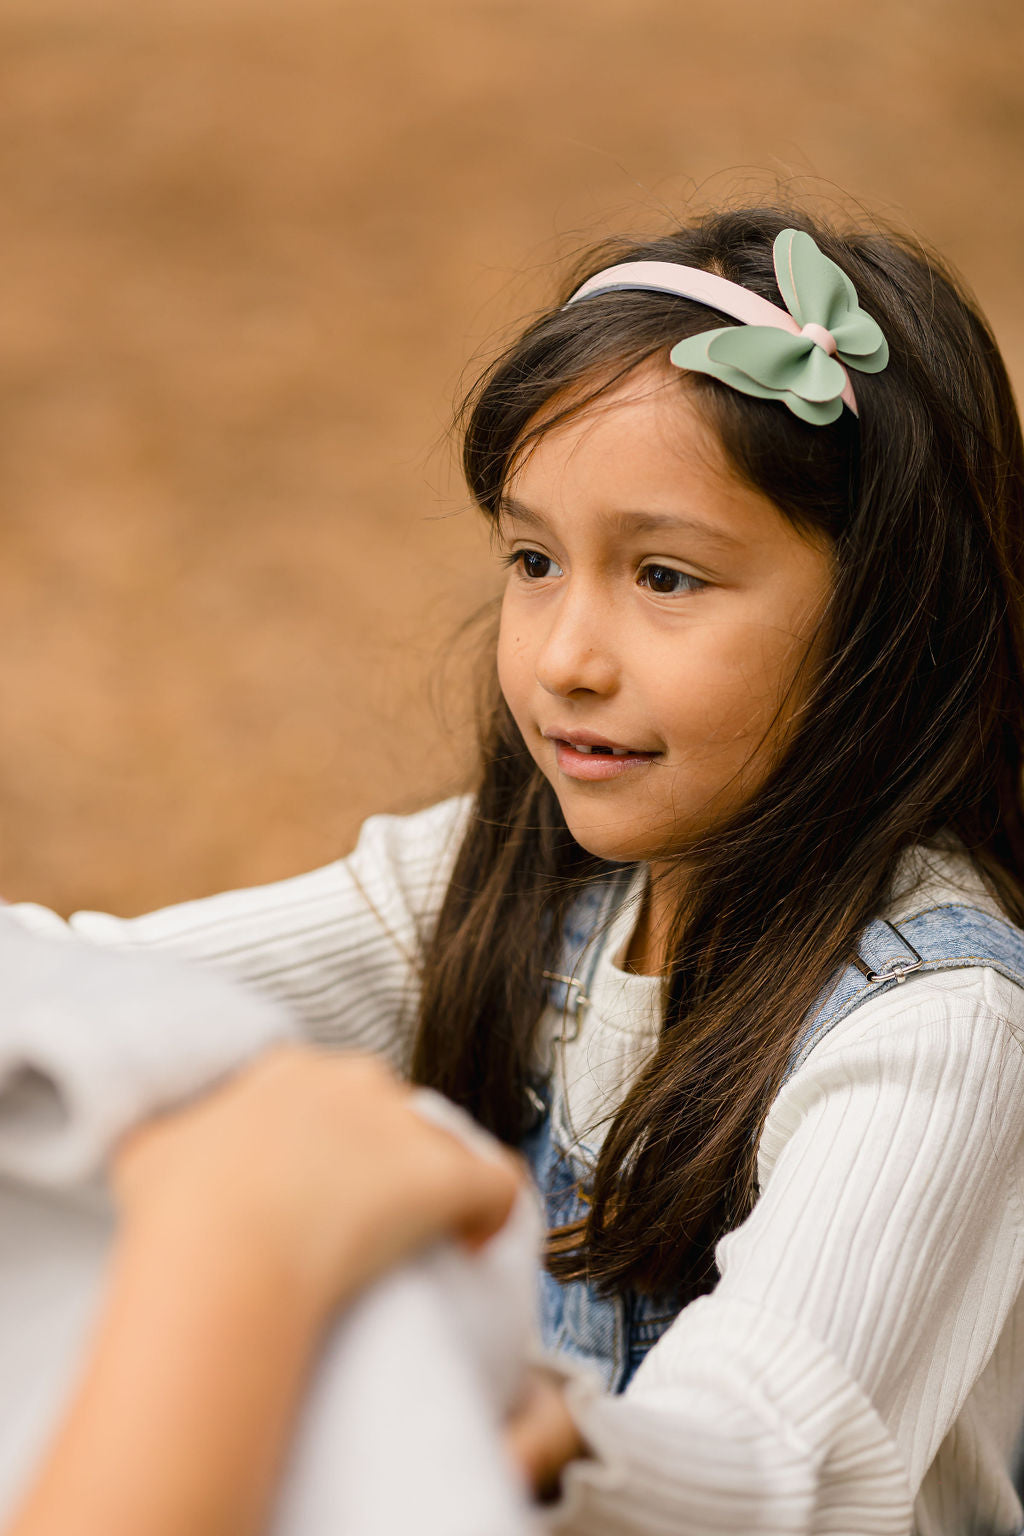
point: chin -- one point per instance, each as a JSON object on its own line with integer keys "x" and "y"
{"x": 630, "y": 839}
{"x": 609, "y": 843}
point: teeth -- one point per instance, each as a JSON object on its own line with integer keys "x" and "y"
{"x": 603, "y": 751}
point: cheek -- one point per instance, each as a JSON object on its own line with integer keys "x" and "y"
{"x": 513, "y": 667}
{"x": 736, "y": 690}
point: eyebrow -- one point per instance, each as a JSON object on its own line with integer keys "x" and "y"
{"x": 633, "y": 522}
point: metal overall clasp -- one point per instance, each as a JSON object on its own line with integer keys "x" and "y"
{"x": 898, "y": 969}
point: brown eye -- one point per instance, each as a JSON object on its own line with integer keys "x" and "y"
{"x": 667, "y": 581}
{"x": 534, "y": 564}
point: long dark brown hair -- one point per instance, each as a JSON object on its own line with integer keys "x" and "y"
{"x": 914, "y": 731}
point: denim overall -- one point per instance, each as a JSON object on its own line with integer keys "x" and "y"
{"x": 612, "y": 1335}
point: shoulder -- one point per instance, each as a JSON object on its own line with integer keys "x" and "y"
{"x": 941, "y": 945}
{"x": 958, "y": 1020}
{"x": 955, "y": 1036}
{"x": 406, "y": 862}
{"x": 418, "y": 839}
{"x": 954, "y": 1004}
{"x": 973, "y": 953}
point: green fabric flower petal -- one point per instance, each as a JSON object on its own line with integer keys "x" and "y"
{"x": 819, "y": 415}
{"x": 780, "y": 360}
{"x": 693, "y": 354}
{"x": 815, "y": 289}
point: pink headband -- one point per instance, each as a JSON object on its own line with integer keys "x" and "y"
{"x": 718, "y": 293}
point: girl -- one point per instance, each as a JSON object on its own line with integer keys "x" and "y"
{"x": 727, "y": 939}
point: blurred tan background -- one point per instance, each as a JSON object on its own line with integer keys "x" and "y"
{"x": 247, "y": 251}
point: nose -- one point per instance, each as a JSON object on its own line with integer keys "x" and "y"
{"x": 578, "y": 654}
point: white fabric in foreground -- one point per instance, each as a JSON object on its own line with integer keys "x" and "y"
{"x": 90, "y": 1042}
{"x": 399, "y": 1432}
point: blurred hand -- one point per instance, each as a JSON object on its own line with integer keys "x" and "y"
{"x": 540, "y": 1435}
{"x": 315, "y": 1165}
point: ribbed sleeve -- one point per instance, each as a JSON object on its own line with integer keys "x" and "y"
{"x": 858, "y": 1306}
{"x": 798, "y": 1449}
{"x": 340, "y": 947}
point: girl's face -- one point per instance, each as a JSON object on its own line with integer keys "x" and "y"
{"x": 655, "y": 620}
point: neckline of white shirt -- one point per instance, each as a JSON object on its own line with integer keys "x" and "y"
{"x": 628, "y": 1002}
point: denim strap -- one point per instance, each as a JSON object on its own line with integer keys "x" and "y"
{"x": 940, "y": 938}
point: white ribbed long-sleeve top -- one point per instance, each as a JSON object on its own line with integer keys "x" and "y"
{"x": 859, "y": 1368}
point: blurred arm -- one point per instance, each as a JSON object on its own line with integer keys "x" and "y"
{"x": 180, "y": 1421}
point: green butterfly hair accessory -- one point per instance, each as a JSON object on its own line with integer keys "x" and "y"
{"x": 799, "y": 355}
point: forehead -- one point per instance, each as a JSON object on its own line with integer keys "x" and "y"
{"x": 639, "y": 459}
{"x": 647, "y": 422}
